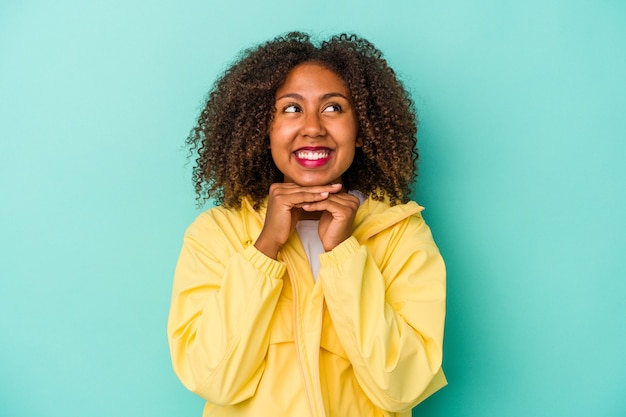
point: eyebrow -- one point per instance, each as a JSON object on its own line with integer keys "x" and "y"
{"x": 323, "y": 97}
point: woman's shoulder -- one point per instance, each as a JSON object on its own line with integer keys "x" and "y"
{"x": 374, "y": 204}
{"x": 215, "y": 217}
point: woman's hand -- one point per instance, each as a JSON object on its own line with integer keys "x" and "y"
{"x": 284, "y": 200}
{"x": 338, "y": 213}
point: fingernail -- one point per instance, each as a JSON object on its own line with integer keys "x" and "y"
{"x": 335, "y": 185}
{"x": 324, "y": 194}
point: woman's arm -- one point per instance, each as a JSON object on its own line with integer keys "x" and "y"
{"x": 223, "y": 300}
{"x": 387, "y": 302}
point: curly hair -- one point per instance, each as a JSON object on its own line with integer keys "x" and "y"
{"x": 231, "y": 135}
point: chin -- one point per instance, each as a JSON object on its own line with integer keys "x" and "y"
{"x": 313, "y": 180}
{"x": 313, "y": 183}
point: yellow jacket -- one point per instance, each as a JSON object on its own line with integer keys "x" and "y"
{"x": 260, "y": 337}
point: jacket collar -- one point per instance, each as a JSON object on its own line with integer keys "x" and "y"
{"x": 375, "y": 216}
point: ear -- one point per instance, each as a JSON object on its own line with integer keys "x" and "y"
{"x": 359, "y": 142}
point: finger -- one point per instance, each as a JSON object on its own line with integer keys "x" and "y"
{"x": 311, "y": 193}
{"x": 292, "y": 195}
{"x": 301, "y": 196}
{"x": 335, "y": 203}
{"x": 332, "y": 188}
{"x": 292, "y": 187}
{"x": 344, "y": 199}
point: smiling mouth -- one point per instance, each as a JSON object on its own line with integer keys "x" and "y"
{"x": 313, "y": 157}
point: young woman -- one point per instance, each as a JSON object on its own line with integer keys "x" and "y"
{"x": 314, "y": 288}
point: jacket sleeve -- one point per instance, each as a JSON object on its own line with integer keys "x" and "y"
{"x": 223, "y": 299}
{"x": 387, "y": 302}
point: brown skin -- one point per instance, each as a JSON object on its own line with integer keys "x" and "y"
{"x": 289, "y": 202}
{"x": 313, "y": 116}
{"x": 231, "y": 138}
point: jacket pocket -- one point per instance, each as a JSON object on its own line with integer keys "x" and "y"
{"x": 329, "y": 339}
{"x": 282, "y": 323}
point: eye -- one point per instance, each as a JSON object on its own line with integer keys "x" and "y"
{"x": 291, "y": 108}
{"x": 333, "y": 108}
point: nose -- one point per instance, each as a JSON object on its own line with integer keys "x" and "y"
{"x": 312, "y": 125}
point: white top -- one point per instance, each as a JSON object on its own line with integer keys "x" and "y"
{"x": 307, "y": 232}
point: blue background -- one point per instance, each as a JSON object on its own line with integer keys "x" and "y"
{"x": 523, "y": 137}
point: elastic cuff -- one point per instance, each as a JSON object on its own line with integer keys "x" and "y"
{"x": 341, "y": 252}
{"x": 263, "y": 263}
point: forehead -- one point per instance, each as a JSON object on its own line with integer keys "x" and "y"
{"x": 313, "y": 78}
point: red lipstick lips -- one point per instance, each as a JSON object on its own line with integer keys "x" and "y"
{"x": 312, "y": 157}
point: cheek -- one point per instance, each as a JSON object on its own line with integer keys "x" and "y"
{"x": 273, "y": 154}
{"x": 273, "y": 136}
{"x": 278, "y": 132}
{"x": 351, "y": 131}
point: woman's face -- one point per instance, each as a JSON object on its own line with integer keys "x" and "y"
{"x": 313, "y": 134}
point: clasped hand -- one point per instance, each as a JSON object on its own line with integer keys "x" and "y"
{"x": 289, "y": 202}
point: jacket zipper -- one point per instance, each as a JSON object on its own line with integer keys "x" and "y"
{"x": 307, "y": 383}
{"x": 317, "y": 361}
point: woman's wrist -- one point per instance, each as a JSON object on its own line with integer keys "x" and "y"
{"x": 267, "y": 247}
